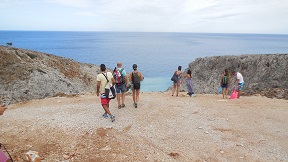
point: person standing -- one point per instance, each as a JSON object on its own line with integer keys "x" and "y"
{"x": 177, "y": 83}
{"x": 120, "y": 78}
{"x": 135, "y": 78}
{"x": 239, "y": 83}
{"x": 225, "y": 82}
{"x": 189, "y": 81}
{"x": 101, "y": 83}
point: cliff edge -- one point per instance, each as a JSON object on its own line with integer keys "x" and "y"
{"x": 264, "y": 74}
{"x": 26, "y": 75}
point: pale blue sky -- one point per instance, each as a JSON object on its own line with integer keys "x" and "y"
{"x": 208, "y": 16}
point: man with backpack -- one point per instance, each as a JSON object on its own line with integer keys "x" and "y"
{"x": 120, "y": 78}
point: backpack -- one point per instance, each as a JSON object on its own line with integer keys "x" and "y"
{"x": 118, "y": 76}
{"x": 174, "y": 78}
{"x": 225, "y": 79}
{"x": 110, "y": 91}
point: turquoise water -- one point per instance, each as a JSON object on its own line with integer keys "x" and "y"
{"x": 157, "y": 54}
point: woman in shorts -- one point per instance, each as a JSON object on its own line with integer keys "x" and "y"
{"x": 135, "y": 78}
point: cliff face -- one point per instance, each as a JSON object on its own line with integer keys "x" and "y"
{"x": 263, "y": 74}
{"x": 26, "y": 74}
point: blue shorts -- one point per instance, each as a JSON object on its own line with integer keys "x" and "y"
{"x": 120, "y": 88}
{"x": 240, "y": 86}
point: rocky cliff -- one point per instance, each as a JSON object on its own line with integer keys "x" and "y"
{"x": 264, "y": 74}
{"x": 26, "y": 74}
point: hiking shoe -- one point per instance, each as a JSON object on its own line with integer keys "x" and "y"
{"x": 105, "y": 115}
{"x": 112, "y": 117}
{"x": 123, "y": 105}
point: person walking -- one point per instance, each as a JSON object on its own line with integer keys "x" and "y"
{"x": 239, "y": 83}
{"x": 120, "y": 78}
{"x": 135, "y": 78}
{"x": 189, "y": 81}
{"x": 225, "y": 82}
{"x": 177, "y": 83}
{"x": 101, "y": 83}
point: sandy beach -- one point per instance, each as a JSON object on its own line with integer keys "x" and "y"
{"x": 162, "y": 128}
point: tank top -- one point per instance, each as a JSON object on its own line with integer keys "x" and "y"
{"x": 225, "y": 79}
{"x": 136, "y": 78}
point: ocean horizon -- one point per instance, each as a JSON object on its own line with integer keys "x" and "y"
{"x": 157, "y": 54}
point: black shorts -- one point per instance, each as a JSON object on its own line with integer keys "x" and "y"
{"x": 136, "y": 86}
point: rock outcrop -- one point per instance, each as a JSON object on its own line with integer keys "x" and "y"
{"x": 26, "y": 75}
{"x": 264, "y": 74}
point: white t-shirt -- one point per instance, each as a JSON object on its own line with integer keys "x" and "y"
{"x": 102, "y": 79}
{"x": 240, "y": 77}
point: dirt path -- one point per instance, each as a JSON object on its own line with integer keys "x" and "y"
{"x": 163, "y": 128}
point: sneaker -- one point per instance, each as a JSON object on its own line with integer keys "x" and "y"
{"x": 105, "y": 115}
{"x": 193, "y": 95}
{"x": 112, "y": 117}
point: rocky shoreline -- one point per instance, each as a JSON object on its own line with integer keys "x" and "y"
{"x": 27, "y": 74}
{"x": 264, "y": 74}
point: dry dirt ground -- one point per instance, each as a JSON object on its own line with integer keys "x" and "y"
{"x": 162, "y": 128}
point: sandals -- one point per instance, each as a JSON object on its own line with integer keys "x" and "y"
{"x": 121, "y": 106}
{"x": 135, "y": 105}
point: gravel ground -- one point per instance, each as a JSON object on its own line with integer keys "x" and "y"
{"x": 162, "y": 128}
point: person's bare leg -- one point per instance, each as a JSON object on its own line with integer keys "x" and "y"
{"x": 118, "y": 99}
{"x": 123, "y": 98}
{"x": 173, "y": 89}
{"x": 106, "y": 108}
{"x": 239, "y": 94}
{"x": 137, "y": 95}
{"x": 223, "y": 92}
{"x": 134, "y": 95}
{"x": 178, "y": 88}
{"x": 226, "y": 90}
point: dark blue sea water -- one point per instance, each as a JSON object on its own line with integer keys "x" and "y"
{"x": 157, "y": 54}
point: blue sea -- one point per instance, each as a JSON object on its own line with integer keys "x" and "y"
{"x": 156, "y": 54}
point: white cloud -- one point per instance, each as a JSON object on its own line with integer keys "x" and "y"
{"x": 158, "y": 15}
{"x": 71, "y": 3}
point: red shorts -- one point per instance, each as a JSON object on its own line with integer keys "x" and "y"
{"x": 105, "y": 101}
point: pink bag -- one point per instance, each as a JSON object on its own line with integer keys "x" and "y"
{"x": 234, "y": 94}
{"x": 3, "y": 157}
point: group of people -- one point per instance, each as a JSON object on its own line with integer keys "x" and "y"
{"x": 177, "y": 83}
{"x": 224, "y": 82}
{"x": 118, "y": 78}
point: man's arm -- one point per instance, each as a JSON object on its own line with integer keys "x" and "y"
{"x": 98, "y": 87}
{"x": 113, "y": 80}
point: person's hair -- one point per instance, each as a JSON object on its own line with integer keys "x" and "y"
{"x": 134, "y": 66}
{"x": 189, "y": 72}
{"x": 179, "y": 68}
{"x": 102, "y": 67}
{"x": 119, "y": 64}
